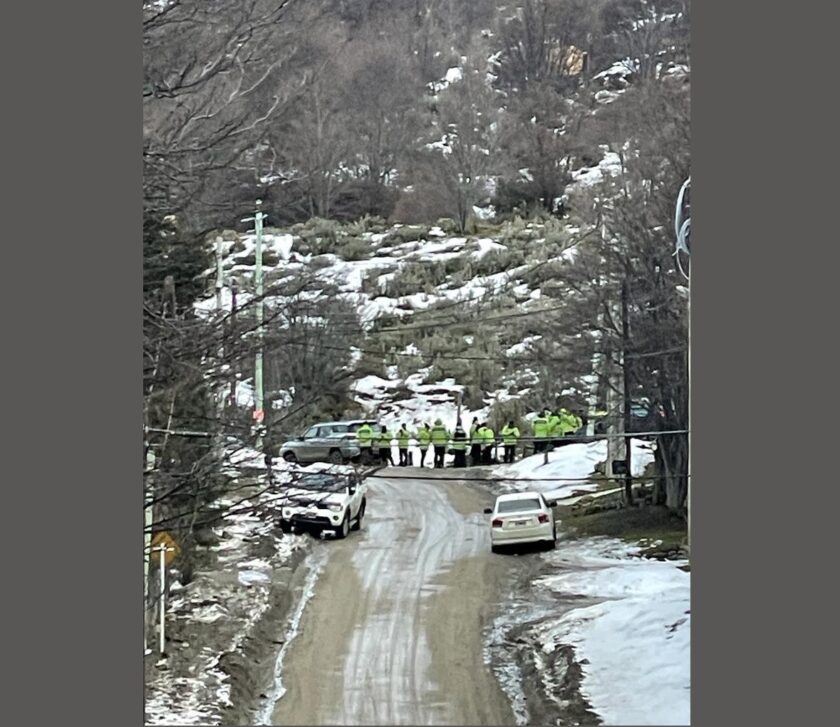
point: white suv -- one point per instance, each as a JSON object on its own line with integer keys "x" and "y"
{"x": 333, "y": 499}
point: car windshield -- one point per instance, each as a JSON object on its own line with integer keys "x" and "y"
{"x": 319, "y": 483}
{"x": 519, "y": 505}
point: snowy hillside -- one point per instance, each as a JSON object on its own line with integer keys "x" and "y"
{"x": 382, "y": 278}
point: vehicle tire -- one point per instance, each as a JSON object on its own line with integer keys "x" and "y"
{"x": 357, "y": 525}
{"x": 343, "y": 529}
{"x": 336, "y": 457}
{"x": 285, "y": 526}
{"x": 290, "y": 457}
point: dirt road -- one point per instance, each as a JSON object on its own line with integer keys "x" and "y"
{"x": 393, "y": 631}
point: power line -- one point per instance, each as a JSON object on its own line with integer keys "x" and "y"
{"x": 455, "y": 357}
{"x": 454, "y": 478}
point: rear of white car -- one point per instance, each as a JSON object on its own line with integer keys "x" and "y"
{"x": 524, "y": 517}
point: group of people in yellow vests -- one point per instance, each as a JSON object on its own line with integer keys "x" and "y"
{"x": 548, "y": 429}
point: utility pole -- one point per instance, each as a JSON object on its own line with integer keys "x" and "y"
{"x": 625, "y": 340}
{"x": 597, "y": 364}
{"x": 219, "y": 274}
{"x": 220, "y": 404}
{"x": 259, "y": 414}
{"x": 234, "y": 288}
{"x": 616, "y": 391}
{"x": 616, "y": 443}
{"x": 682, "y": 226}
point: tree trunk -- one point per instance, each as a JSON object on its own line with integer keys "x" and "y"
{"x": 672, "y": 461}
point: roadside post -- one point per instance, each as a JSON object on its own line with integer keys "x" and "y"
{"x": 167, "y": 549}
{"x": 147, "y": 545}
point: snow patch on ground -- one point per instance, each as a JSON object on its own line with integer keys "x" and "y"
{"x": 569, "y": 469}
{"x": 633, "y": 646}
{"x": 223, "y": 604}
{"x": 609, "y": 166}
{"x": 485, "y": 245}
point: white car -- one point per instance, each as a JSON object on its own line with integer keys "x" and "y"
{"x": 333, "y": 499}
{"x": 523, "y": 517}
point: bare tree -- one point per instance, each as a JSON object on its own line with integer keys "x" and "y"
{"x": 633, "y": 250}
{"x": 380, "y": 90}
{"x": 537, "y": 41}
{"x": 461, "y": 160}
{"x": 650, "y": 33}
{"x": 215, "y": 72}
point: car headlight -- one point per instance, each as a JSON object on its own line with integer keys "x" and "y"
{"x": 335, "y": 508}
{"x": 287, "y": 513}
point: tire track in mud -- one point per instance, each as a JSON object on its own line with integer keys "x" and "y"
{"x": 394, "y": 631}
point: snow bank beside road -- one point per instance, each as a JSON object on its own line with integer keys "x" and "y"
{"x": 634, "y": 646}
{"x": 569, "y": 468}
{"x": 211, "y": 617}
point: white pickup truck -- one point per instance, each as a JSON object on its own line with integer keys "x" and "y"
{"x": 332, "y": 499}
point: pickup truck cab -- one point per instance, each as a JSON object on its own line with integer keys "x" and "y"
{"x": 333, "y": 499}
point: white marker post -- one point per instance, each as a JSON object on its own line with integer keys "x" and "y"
{"x": 162, "y": 596}
{"x": 147, "y": 550}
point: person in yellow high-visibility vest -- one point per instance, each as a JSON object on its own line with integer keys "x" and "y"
{"x": 555, "y": 427}
{"x": 459, "y": 446}
{"x": 510, "y": 436}
{"x": 424, "y": 438}
{"x": 488, "y": 438}
{"x": 541, "y": 432}
{"x": 570, "y": 422}
{"x": 440, "y": 440}
{"x": 384, "y": 443}
{"x": 476, "y": 441}
{"x": 364, "y": 435}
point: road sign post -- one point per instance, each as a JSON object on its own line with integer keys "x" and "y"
{"x": 162, "y": 548}
{"x": 147, "y": 544}
{"x": 167, "y": 550}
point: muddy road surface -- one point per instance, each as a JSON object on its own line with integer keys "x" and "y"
{"x": 393, "y": 631}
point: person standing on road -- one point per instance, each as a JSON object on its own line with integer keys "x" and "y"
{"x": 440, "y": 440}
{"x": 555, "y": 426}
{"x": 488, "y": 438}
{"x": 364, "y": 437}
{"x": 510, "y": 436}
{"x": 540, "y": 426}
{"x": 475, "y": 443}
{"x": 459, "y": 444}
{"x": 424, "y": 437}
{"x": 384, "y": 441}
{"x": 570, "y": 423}
{"x": 402, "y": 442}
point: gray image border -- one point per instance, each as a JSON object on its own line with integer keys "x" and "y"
{"x": 74, "y": 163}
{"x": 73, "y": 259}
